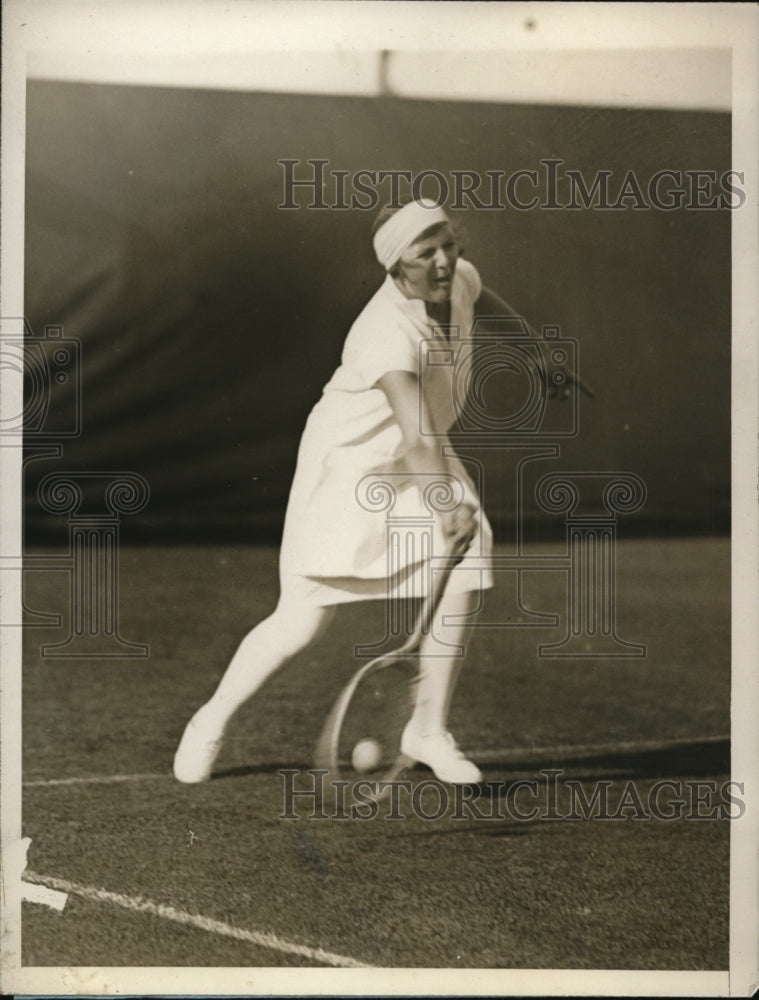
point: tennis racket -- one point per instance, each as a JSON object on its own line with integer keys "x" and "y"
{"x": 361, "y": 737}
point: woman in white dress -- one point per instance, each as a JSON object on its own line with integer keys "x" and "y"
{"x": 371, "y": 422}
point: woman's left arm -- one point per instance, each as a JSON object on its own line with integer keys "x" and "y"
{"x": 491, "y": 304}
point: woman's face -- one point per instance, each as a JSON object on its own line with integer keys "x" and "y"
{"x": 426, "y": 268}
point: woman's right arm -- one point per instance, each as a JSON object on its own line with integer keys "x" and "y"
{"x": 423, "y": 455}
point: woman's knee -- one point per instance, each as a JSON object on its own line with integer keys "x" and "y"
{"x": 456, "y": 613}
{"x": 299, "y": 625}
{"x": 465, "y": 602}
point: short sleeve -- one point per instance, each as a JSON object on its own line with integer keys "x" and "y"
{"x": 471, "y": 283}
{"x": 381, "y": 341}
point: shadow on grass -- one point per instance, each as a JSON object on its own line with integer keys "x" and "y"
{"x": 696, "y": 758}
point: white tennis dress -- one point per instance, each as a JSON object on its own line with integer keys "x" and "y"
{"x": 347, "y": 537}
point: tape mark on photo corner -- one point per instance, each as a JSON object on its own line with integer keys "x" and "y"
{"x": 13, "y": 868}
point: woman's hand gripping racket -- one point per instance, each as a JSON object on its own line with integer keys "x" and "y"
{"x": 361, "y": 737}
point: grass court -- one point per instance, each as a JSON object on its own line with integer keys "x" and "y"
{"x": 160, "y": 874}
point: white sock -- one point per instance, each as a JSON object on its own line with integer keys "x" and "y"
{"x": 439, "y": 672}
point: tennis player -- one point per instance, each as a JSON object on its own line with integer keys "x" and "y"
{"x": 368, "y": 421}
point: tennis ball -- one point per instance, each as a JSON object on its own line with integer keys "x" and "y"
{"x": 366, "y": 755}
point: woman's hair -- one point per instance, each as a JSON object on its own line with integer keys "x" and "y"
{"x": 387, "y": 211}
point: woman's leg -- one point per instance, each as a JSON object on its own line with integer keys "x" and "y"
{"x": 426, "y": 738}
{"x": 439, "y": 664}
{"x": 288, "y": 630}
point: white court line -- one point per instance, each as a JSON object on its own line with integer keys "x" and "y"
{"x": 501, "y": 756}
{"x": 138, "y": 904}
{"x": 93, "y": 779}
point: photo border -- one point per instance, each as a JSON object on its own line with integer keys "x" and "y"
{"x": 36, "y": 31}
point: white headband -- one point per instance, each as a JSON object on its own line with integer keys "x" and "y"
{"x": 402, "y": 228}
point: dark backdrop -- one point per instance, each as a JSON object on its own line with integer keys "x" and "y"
{"x": 210, "y": 319}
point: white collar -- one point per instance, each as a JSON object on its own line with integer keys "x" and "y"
{"x": 415, "y": 308}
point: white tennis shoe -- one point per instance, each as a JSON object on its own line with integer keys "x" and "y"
{"x": 197, "y": 751}
{"x": 441, "y": 754}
